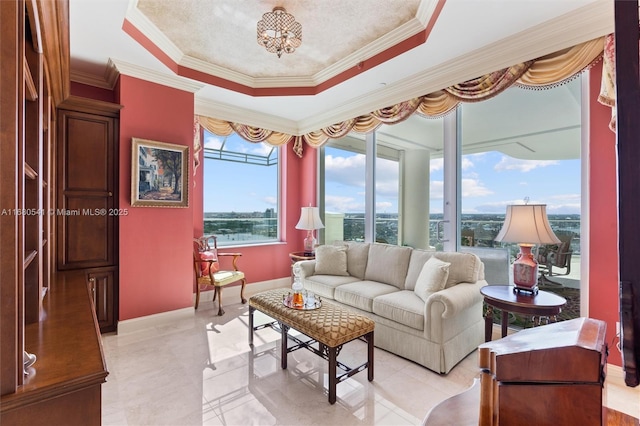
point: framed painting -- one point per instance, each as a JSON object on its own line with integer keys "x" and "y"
{"x": 159, "y": 174}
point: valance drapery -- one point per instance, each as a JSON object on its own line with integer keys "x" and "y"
{"x": 545, "y": 72}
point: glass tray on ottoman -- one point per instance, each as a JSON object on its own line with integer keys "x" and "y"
{"x": 287, "y": 301}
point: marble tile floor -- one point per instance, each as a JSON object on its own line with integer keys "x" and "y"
{"x": 201, "y": 371}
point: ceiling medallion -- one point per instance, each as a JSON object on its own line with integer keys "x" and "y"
{"x": 279, "y": 32}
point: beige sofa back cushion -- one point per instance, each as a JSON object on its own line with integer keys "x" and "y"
{"x": 331, "y": 260}
{"x": 357, "y": 255}
{"x": 465, "y": 267}
{"x": 388, "y": 264}
{"x": 418, "y": 259}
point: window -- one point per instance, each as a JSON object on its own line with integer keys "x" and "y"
{"x": 345, "y": 187}
{"x": 240, "y": 201}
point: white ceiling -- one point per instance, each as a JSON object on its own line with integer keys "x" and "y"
{"x": 217, "y": 38}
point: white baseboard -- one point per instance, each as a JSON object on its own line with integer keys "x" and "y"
{"x": 230, "y": 295}
{"x": 136, "y": 324}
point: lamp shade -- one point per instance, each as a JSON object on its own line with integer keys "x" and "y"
{"x": 527, "y": 224}
{"x": 309, "y": 219}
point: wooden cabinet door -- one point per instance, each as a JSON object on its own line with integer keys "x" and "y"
{"x": 101, "y": 285}
{"x": 86, "y": 210}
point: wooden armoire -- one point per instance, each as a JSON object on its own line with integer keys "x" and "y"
{"x": 87, "y": 199}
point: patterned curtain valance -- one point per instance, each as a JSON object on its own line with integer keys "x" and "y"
{"x": 545, "y": 72}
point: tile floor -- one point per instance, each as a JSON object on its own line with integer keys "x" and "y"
{"x": 201, "y": 371}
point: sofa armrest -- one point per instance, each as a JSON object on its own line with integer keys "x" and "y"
{"x": 307, "y": 268}
{"x": 456, "y": 299}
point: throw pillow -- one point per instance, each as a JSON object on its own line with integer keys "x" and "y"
{"x": 205, "y": 266}
{"x": 331, "y": 260}
{"x": 432, "y": 278}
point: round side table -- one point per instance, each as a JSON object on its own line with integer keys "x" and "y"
{"x": 503, "y": 297}
{"x": 297, "y": 256}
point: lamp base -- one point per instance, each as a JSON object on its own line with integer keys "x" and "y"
{"x": 525, "y": 271}
{"x": 530, "y": 291}
{"x": 310, "y": 244}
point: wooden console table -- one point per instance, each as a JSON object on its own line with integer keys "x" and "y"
{"x": 64, "y": 385}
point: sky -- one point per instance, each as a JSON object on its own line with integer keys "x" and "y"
{"x": 490, "y": 181}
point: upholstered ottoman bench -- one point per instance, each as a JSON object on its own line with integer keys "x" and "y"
{"x": 330, "y": 326}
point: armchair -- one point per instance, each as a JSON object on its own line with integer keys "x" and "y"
{"x": 206, "y": 264}
{"x": 558, "y": 255}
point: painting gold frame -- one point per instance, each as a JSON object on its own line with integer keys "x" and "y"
{"x": 159, "y": 174}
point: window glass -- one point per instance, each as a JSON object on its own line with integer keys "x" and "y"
{"x": 344, "y": 194}
{"x": 387, "y": 175}
{"x": 240, "y": 201}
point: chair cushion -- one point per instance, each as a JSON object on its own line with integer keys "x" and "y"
{"x": 205, "y": 266}
{"x": 331, "y": 260}
{"x": 223, "y": 278}
{"x": 432, "y": 278}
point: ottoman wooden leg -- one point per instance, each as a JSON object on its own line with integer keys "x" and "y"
{"x": 284, "y": 346}
{"x": 333, "y": 371}
{"x": 369, "y": 338}
{"x": 251, "y": 311}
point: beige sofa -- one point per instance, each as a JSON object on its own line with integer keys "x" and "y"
{"x": 428, "y": 311}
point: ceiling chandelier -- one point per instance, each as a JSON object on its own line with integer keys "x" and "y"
{"x": 279, "y": 32}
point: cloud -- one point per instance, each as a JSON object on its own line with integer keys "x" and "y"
{"x": 474, "y": 188}
{"x": 272, "y": 201}
{"x": 335, "y": 203}
{"x": 382, "y": 206}
{"x": 437, "y": 164}
{"x": 213, "y": 142}
{"x": 508, "y": 163}
{"x": 436, "y": 190}
{"x": 345, "y": 170}
{"x": 467, "y": 163}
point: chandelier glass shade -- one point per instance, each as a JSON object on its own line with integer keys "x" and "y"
{"x": 279, "y": 32}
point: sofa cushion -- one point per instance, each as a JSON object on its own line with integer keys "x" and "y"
{"x": 401, "y": 306}
{"x": 331, "y": 260}
{"x": 465, "y": 267}
{"x": 432, "y": 278}
{"x": 361, "y": 294}
{"x": 388, "y": 264}
{"x": 325, "y": 285}
{"x": 417, "y": 261}
{"x": 357, "y": 254}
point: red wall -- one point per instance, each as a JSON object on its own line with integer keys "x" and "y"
{"x": 155, "y": 270}
{"x": 603, "y": 216}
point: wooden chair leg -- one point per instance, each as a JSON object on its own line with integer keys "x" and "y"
{"x": 218, "y": 292}
{"x": 242, "y": 299}
{"x": 197, "y": 295}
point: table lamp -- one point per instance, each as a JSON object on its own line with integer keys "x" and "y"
{"x": 309, "y": 221}
{"x": 526, "y": 225}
